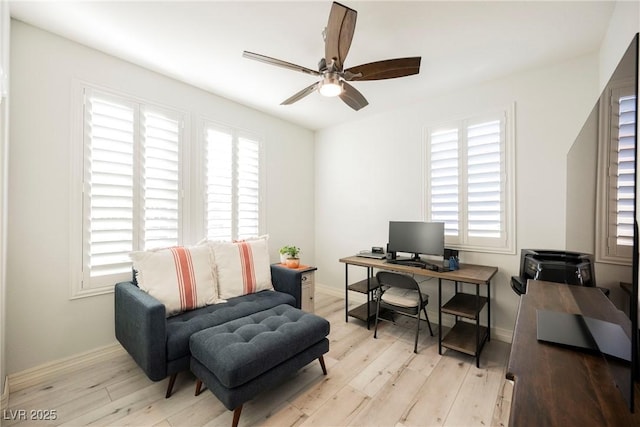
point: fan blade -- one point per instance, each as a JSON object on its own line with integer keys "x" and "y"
{"x": 279, "y": 63}
{"x": 387, "y": 69}
{"x": 339, "y": 33}
{"x": 304, "y": 92}
{"x": 352, "y": 97}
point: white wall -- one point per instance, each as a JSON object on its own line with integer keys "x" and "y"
{"x": 370, "y": 172}
{"x": 624, "y": 23}
{"x": 5, "y": 22}
{"x": 44, "y": 325}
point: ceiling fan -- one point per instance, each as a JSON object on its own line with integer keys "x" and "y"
{"x": 333, "y": 77}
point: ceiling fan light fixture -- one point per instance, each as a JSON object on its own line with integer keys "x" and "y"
{"x": 334, "y": 79}
{"x": 330, "y": 85}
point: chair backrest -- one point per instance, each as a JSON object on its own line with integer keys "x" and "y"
{"x": 397, "y": 280}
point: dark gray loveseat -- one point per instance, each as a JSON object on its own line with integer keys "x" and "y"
{"x": 160, "y": 345}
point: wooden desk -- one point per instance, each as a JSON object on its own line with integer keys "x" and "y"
{"x": 560, "y": 386}
{"x": 464, "y": 336}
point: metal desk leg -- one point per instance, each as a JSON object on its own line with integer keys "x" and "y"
{"x": 346, "y": 293}
{"x": 439, "y": 316}
{"x": 457, "y": 318}
{"x": 369, "y": 273}
{"x": 489, "y": 311}
{"x": 477, "y": 327}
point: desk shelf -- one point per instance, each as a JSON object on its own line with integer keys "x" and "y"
{"x": 465, "y": 337}
{"x": 465, "y": 305}
{"x": 360, "y": 312}
{"x": 367, "y": 311}
{"x": 462, "y": 338}
{"x": 364, "y": 286}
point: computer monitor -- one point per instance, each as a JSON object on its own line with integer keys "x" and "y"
{"x": 417, "y": 238}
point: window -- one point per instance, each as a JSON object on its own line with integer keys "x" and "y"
{"x": 470, "y": 182}
{"x": 131, "y": 185}
{"x": 140, "y": 181}
{"x": 232, "y": 173}
{"x": 616, "y": 192}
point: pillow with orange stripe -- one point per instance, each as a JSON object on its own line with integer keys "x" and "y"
{"x": 181, "y": 277}
{"x": 242, "y": 267}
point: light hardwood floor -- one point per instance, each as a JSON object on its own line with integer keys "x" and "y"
{"x": 370, "y": 382}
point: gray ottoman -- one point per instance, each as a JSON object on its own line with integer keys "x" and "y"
{"x": 241, "y": 358}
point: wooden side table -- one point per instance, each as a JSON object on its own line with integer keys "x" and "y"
{"x": 307, "y": 282}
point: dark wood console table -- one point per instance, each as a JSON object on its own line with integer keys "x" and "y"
{"x": 560, "y": 386}
{"x": 466, "y": 337}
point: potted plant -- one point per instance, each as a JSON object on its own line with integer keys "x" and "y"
{"x": 289, "y": 256}
{"x": 284, "y": 254}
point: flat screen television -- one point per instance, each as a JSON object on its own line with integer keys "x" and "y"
{"x": 416, "y": 238}
{"x": 626, "y": 381}
{"x": 625, "y": 374}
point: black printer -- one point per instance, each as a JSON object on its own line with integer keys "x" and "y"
{"x": 572, "y": 268}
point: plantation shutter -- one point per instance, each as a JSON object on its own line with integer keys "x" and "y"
{"x": 444, "y": 181}
{"x": 109, "y": 186}
{"x": 485, "y": 189}
{"x": 248, "y": 164}
{"x": 219, "y": 173}
{"x": 161, "y": 179}
{"x": 132, "y": 190}
{"x": 233, "y": 189}
{"x": 467, "y": 182}
{"x": 621, "y": 173}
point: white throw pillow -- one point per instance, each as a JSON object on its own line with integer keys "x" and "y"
{"x": 181, "y": 277}
{"x": 242, "y": 267}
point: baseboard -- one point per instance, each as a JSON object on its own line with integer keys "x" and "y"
{"x": 50, "y": 370}
{"x": 499, "y": 334}
{"x": 330, "y": 290}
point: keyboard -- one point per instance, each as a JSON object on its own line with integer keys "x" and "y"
{"x": 419, "y": 264}
{"x": 372, "y": 255}
{"x": 408, "y": 263}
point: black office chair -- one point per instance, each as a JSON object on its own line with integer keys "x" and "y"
{"x": 401, "y": 294}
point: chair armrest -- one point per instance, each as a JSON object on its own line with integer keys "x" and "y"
{"x": 519, "y": 284}
{"x": 287, "y": 280}
{"x": 140, "y": 323}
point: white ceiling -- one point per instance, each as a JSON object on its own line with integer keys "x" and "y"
{"x": 201, "y": 43}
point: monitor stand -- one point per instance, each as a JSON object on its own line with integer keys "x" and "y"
{"x": 416, "y": 261}
{"x": 575, "y": 330}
